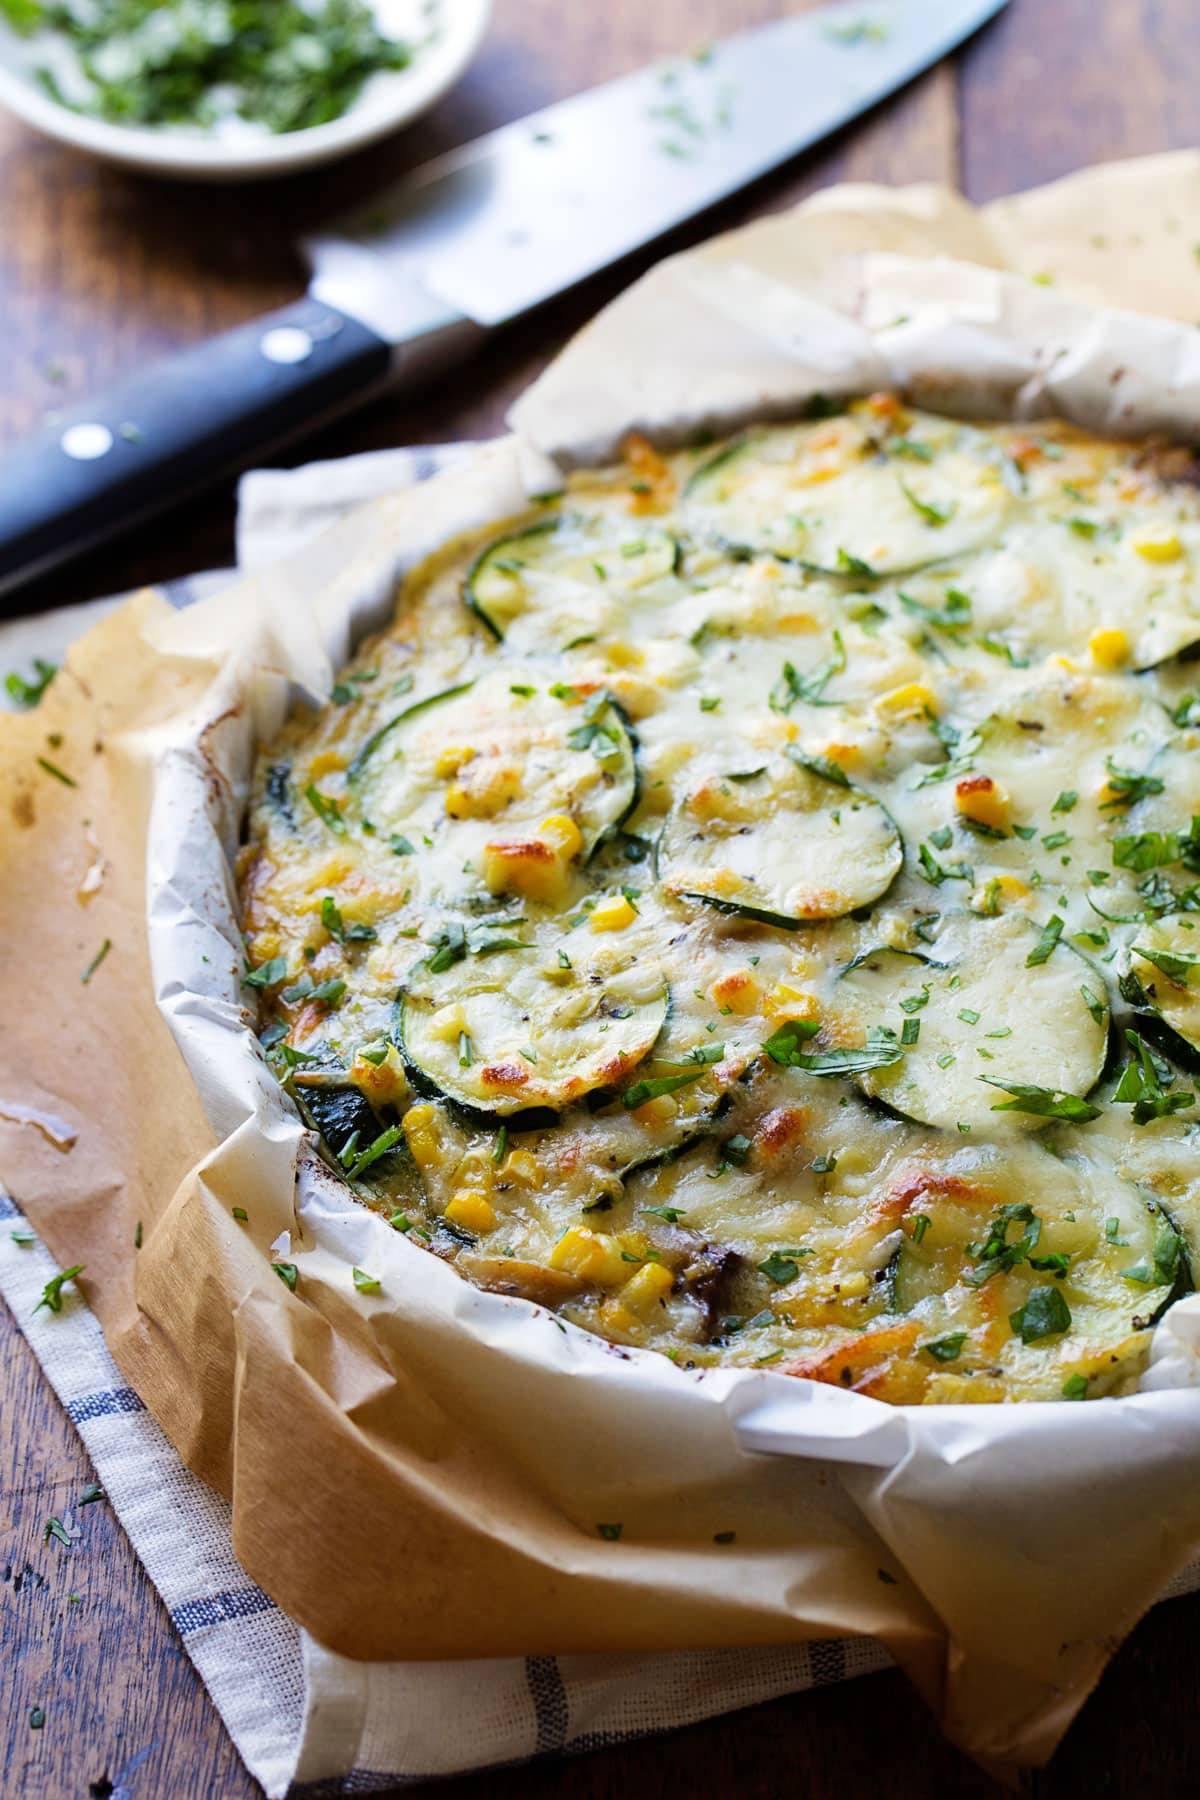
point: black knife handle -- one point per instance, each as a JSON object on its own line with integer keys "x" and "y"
{"x": 177, "y": 426}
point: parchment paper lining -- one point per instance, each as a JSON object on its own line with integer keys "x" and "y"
{"x": 421, "y": 1473}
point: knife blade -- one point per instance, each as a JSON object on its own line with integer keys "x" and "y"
{"x": 414, "y": 280}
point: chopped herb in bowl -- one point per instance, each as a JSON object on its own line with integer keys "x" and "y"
{"x": 279, "y": 64}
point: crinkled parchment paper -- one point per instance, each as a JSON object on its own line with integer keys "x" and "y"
{"x": 420, "y": 1472}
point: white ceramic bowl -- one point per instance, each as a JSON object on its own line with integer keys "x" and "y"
{"x": 388, "y": 100}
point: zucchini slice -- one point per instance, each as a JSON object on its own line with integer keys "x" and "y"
{"x": 984, "y": 1016}
{"x": 519, "y": 1032}
{"x": 1165, "y": 958}
{"x": 795, "y": 844}
{"x": 364, "y": 754}
{"x": 558, "y": 568}
{"x": 496, "y": 758}
{"x": 823, "y": 495}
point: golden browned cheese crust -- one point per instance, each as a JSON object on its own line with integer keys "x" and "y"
{"x": 749, "y": 905}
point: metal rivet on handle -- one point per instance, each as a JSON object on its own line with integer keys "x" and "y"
{"x": 86, "y": 441}
{"x": 286, "y": 344}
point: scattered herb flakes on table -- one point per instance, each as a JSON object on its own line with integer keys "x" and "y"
{"x": 751, "y": 905}
{"x": 275, "y": 63}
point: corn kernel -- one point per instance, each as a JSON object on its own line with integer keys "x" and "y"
{"x": 846, "y": 756}
{"x": 563, "y": 833}
{"x": 1109, "y": 647}
{"x": 386, "y": 1083}
{"x": 737, "y": 991}
{"x": 447, "y": 1022}
{"x": 592, "y": 1255}
{"x": 792, "y": 1003}
{"x": 980, "y": 798}
{"x": 421, "y": 1135}
{"x": 484, "y": 799}
{"x": 1159, "y": 549}
{"x": 450, "y": 760}
{"x": 997, "y": 892}
{"x": 659, "y": 1111}
{"x": 472, "y": 1210}
{"x": 853, "y": 1287}
{"x": 643, "y": 1291}
{"x": 624, "y": 656}
{"x": 613, "y": 915}
{"x": 325, "y": 762}
{"x": 913, "y": 700}
{"x": 520, "y": 1165}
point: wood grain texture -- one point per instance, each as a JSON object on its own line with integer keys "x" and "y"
{"x": 99, "y": 271}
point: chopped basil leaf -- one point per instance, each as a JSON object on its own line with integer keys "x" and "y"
{"x": 328, "y": 811}
{"x": 1044, "y": 1314}
{"x": 28, "y": 693}
{"x": 793, "y": 686}
{"x": 932, "y": 515}
{"x": 782, "y": 1266}
{"x": 1045, "y": 946}
{"x": 52, "y": 1295}
{"x": 879, "y": 1052}
{"x": 1045, "y": 1103}
{"x": 1129, "y": 785}
{"x": 99, "y": 957}
{"x": 387, "y": 1140}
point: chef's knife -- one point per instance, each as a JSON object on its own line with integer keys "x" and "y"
{"x": 414, "y": 280}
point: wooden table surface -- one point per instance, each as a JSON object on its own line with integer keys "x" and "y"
{"x": 98, "y": 271}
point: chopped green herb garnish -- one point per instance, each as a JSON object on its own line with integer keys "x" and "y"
{"x": 1144, "y": 1083}
{"x": 1044, "y": 1314}
{"x": 328, "y": 811}
{"x": 58, "y": 774}
{"x": 52, "y": 1296}
{"x": 931, "y": 513}
{"x": 1177, "y": 964}
{"x": 1045, "y": 946}
{"x": 1044, "y": 1103}
{"x": 935, "y": 872}
{"x": 1096, "y": 1007}
{"x": 793, "y": 686}
{"x": 387, "y": 1140}
{"x": 28, "y": 693}
{"x": 286, "y": 65}
{"x": 782, "y": 1266}
{"x": 1129, "y": 785}
{"x": 366, "y": 1284}
{"x": 99, "y": 957}
{"x": 881, "y": 1049}
{"x": 946, "y": 1349}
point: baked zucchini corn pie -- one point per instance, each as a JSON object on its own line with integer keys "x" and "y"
{"x": 750, "y": 904}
